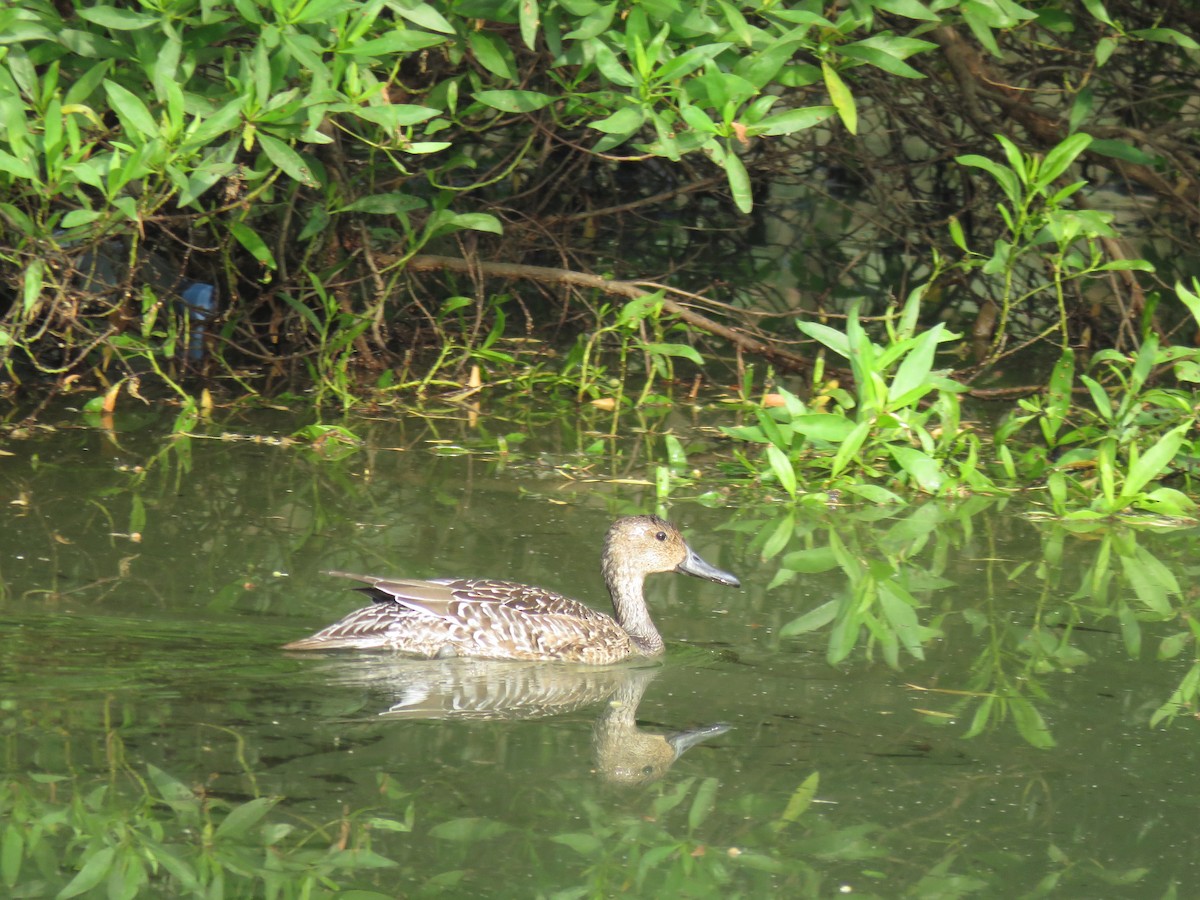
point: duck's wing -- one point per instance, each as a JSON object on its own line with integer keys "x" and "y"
{"x": 455, "y": 597}
{"x": 472, "y": 617}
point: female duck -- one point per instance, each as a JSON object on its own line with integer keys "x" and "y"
{"x": 487, "y": 619}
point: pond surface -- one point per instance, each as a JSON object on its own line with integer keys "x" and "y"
{"x": 934, "y": 701}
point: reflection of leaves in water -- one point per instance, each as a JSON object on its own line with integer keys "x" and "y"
{"x": 892, "y": 592}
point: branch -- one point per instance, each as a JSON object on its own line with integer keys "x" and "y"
{"x": 782, "y": 359}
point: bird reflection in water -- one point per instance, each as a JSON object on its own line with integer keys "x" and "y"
{"x": 476, "y": 689}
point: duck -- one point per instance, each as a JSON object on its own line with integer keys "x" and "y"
{"x": 477, "y": 618}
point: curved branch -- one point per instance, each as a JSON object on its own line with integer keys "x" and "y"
{"x": 782, "y": 359}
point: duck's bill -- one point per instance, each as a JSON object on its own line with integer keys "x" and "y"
{"x": 682, "y": 741}
{"x": 694, "y": 565}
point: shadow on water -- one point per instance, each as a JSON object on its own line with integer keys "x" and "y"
{"x": 943, "y": 700}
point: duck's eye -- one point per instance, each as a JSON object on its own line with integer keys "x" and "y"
{"x": 661, "y": 536}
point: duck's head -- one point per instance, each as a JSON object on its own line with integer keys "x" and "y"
{"x": 648, "y": 544}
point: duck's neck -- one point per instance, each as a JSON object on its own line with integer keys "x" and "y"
{"x": 629, "y": 604}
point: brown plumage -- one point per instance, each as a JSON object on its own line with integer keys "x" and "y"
{"x": 487, "y": 619}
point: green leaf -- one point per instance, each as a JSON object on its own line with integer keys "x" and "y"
{"x": 478, "y": 222}
{"x": 1060, "y": 157}
{"x": 780, "y": 535}
{"x": 739, "y": 183}
{"x": 583, "y": 843}
{"x": 823, "y": 427}
{"x": 850, "y": 447}
{"x": 840, "y": 97}
{"x": 493, "y": 54}
{"x": 593, "y": 24}
{"x": 782, "y": 467}
{"x": 287, "y": 159}
{"x": 811, "y": 620}
{"x": 683, "y": 351}
{"x": 911, "y": 381}
{"x": 1190, "y": 298}
{"x": 1153, "y": 463}
{"x": 116, "y": 19}
{"x": 881, "y": 58}
{"x": 922, "y": 468}
{"x": 1125, "y": 265}
{"x": 402, "y": 40}
{"x": 131, "y": 110}
{"x": 514, "y": 101}
{"x": 877, "y": 494}
{"x": 214, "y": 123}
{"x": 622, "y": 122}
{"x": 137, "y": 515}
{"x": 1172, "y": 645}
{"x": 32, "y": 285}
{"x": 898, "y": 609}
{"x": 1181, "y": 698}
{"x": 395, "y": 116}
{"x": 18, "y": 168}
{"x": 1167, "y": 502}
{"x": 1100, "y": 399}
{"x": 910, "y": 9}
{"x": 688, "y": 61}
{"x": 702, "y": 803}
{"x": 1131, "y": 629}
{"x": 1096, "y": 8}
{"x": 610, "y": 67}
{"x": 358, "y": 859}
{"x": 12, "y": 850}
{"x": 799, "y": 802}
{"x": 1005, "y": 177}
{"x": 93, "y": 872}
{"x": 394, "y": 204}
{"x": 1122, "y": 150}
{"x": 1166, "y": 36}
{"x": 832, "y": 338}
{"x": 1152, "y": 582}
{"x": 426, "y": 16}
{"x": 173, "y": 791}
{"x": 761, "y": 68}
{"x": 813, "y": 561}
{"x": 419, "y": 147}
{"x": 529, "y": 20}
{"x": 795, "y": 120}
{"x": 468, "y": 830}
{"x": 244, "y": 817}
{"x": 697, "y": 119}
{"x": 1030, "y": 723}
{"x": 249, "y": 238}
{"x": 1081, "y": 109}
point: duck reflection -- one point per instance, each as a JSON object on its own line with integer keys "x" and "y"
{"x": 626, "y": 755}
{"x": 476, "y": 689}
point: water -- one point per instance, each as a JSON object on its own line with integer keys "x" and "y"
{"x": 965, "y": 713}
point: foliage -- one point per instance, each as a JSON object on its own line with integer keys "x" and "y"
{"x": 69, "y": 838}
{"x": 637, "y": 326}
{"x": 1134, "y": 436}
{"x": 886, "y": 429}
{"x": 236, "y": 126}
{"x": 1042, "y": 233}
{"x": 299, "y": 158}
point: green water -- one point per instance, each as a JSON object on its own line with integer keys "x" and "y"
{"x": 156, "y": 742}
